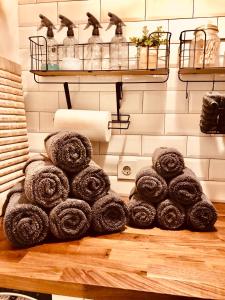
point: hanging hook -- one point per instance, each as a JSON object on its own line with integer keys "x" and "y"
{"x": 213, "y": 86}
{"x": 187, "y": 94}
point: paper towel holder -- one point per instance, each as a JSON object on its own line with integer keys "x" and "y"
{"x": 119, "y": 121}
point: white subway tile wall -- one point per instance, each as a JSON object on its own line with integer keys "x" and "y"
{"x": 161, "y": 115}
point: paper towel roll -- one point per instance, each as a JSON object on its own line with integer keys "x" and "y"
{"x": 93, "y": 124}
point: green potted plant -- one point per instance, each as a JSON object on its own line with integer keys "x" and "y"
{"x": 148, "y": 44}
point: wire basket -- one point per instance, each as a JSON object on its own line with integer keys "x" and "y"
{"x": 100, "y": 56}
{"x": 201, "y": 54}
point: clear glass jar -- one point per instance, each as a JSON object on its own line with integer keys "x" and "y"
{"x": 205, "y": 47}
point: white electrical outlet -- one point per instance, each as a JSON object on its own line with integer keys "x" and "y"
{"x": 127, "y": 169}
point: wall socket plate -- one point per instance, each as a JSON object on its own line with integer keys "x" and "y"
{"x": 127, "y": 169}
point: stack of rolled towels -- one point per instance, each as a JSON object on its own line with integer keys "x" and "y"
{"x": 213, "y": 113}
{"x": 170, "y": 196}
{"x": 64, "y": 195}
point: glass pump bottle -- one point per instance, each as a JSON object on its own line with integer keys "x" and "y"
{"x": 70, "y": 59}
{"x": 52, "y": 57}
{"x": 119, "y": 46}
{"x": 94, "y": 55}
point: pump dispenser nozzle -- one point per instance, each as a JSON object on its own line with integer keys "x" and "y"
{"x": 65, "y": 22}
{"x": 45, "y": 22}
{"x": 92, "y": 21}
{"x": 114, "y": 20}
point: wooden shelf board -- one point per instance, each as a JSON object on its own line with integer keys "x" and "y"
{"x": 188, "y": 71}
{"x": 161, "y": 71}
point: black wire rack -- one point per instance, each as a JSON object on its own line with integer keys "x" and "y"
{"x": 197, "y": 57}
{"x": 129, "y": 59}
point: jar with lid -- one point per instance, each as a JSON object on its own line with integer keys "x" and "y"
{"x": 205, "y": 47}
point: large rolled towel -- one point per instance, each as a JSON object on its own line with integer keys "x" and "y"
{"x": 45, "y": 184}
{"x": 185, "y": 188}
{"x": 168, "y": 162}
{"x": 25, "y": 224}
{"x": 202, "y": 215}
{"x": 141, "y": 213}
{"x": 90, "y": 184}
{"x": 110, "y": 214}
{"x": 170, "y": 215}
{"x": 150, "y": 185}
{"x": 70, "y": 219}
{"x": 68, "y": 150}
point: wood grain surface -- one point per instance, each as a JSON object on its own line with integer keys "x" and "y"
{"x": 13, "y": 140}
{"x": 13, "y": 147}
{"x": 5, "y": 96}
{"x": 10, "y": 76}
{"x": 8, "y": 185}
{"x": 10, "y": 66}
{"x": 11, "y": 103}
{"x": 13, "y": 161}
{"x": 13, "y": 132}
{"x": 13, "y": 127}
{"x": 11, "y": 169}
{"x": 135, "y": 264}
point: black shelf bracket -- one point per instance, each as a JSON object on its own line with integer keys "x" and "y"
{"x": 67, "y": 94}
{"x": 119, "y": 121}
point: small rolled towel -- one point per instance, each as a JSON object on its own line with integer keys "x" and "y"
{"x": 110, "y": 214}
{"x": 90, "y": 184}
{"x": 25, "y": 224}
{"x": 68, "y": 150}
{"x": 70, "y": 219}
{"x": 45, "y": 184}
{"x": 150, "y": 185}
{"x": 170, "y": 215}
{"x": 168, "y": 162}
{"x": 202, "y": 215}
{"x": 185, "y": 188}
{"x": 141, "y": 213}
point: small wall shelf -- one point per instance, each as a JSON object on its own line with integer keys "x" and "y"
{"x": 209, "y": 71}
{"x": 188, "y": 62}
{"x": 154, "y": 64}
{"x": 159, "y": 71}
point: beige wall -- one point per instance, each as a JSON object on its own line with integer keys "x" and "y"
{"x": 160, "y": 113}
{"x": 9, "y": 34}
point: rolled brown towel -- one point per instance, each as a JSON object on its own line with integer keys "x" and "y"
{"x": 25, "y": 224}
{"x": 45, "y": 184}
{"x": 185, "y": 188}
{"x": 141, "y": 213}
{"x": 168, "y": 162}
{"x": 150, "y": 185}
{"x": 110, "y": 214}
{"x": 70, "y": 219}
{"x": 69, "y": 150}
{"x": 202, "y": 216}
{"x": 90, "y": 184}
{"x": 170, "y": 215}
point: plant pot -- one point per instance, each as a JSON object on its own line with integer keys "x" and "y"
{"x": 147, "y": 58}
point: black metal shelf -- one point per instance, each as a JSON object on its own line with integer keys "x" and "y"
{"x": 187, "y": 68}
{"x": 159, "y": 67}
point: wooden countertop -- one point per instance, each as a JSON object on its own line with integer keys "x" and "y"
{"x": 135, "y": 264}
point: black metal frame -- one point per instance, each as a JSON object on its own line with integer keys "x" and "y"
{"x": 183, "y": 43}
{"x": 120, "y": 121}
